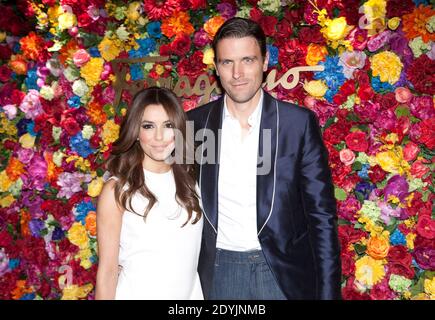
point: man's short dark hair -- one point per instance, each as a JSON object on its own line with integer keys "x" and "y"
{"x": 240, "y": 28}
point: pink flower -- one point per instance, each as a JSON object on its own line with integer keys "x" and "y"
{"x": 422, "y": 107}
{"x": 403, "y": 95}
{"x": 10, "y": 111}
{"x": 347, "y": 156}
{"x": 70, "y": 183}
{"x": 80, "y": 57}
{"x": 31, "y": 105}
{"x": 418, "y": 169}
{"x": 25, "y": 155}
{"x": 358, "y": 38}
{"x": 378, "y": 41}
{"x": 351, "y": 60}
{"x": 410, "y": 151}
{"x": 107, "y": 71}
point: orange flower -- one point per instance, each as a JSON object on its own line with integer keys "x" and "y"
{"x": 20, "y": 290}
{"x": 24, "y": 222}
{"x": 315, "y": 53}
{"x": 414, "y": 23}
{"x": 14, "y": 169}
{"x": 68, "y": 51}
{"x": 177, "y": 23}
{"x": 212, "y": 26}
{"x": 52, "y": 170}
{"x": 18, "y": 64}
{"x": 33, "y": 46}
{"x": 91, "y": 223}
{"x": 378, "y": 247}
{"x": 96, "y": 113}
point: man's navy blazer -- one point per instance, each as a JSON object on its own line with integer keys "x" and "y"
{"x": 296, "y": 207}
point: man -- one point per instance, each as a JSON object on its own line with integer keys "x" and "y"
{"x": 270, "y": 229}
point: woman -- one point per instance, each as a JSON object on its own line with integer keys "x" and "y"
{"x": 149, "y": 221}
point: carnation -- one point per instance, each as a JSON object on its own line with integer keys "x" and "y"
{"x": 420, "y": 73}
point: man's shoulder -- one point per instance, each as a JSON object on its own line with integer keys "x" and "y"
{"x": 293, "y": 110}
{"x": 200, "y": 113}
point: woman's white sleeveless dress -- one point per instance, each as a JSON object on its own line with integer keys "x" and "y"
{"x": 159, "y": 258}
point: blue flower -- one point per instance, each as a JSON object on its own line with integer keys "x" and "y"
{"x": 31, "y": 79}
{"x": 332, "y": 75}
{"x": 397, "y": 238}
{"x": 28, "y": 296}
{"x": 13, "y": 263}
{"x": 58, "y": 234}
{"x": 419, "y": 2}
{"x": 94, "y": 52}
{"x": 82, "y": 210}
{"x": 273, "y": 55}
{"x": 74, "y": 101}
{"x": 22, "y": 126}
{"x": 363, "y": 173}
{"x": 153, "y": 29}
{"x": 136, "y": 71}
{"x": 364, "y": 188}
{"x": 146, "y": 46}
{"x": 31, "y": 128}
{"x": 381, "y": 87}
{"x": 81, "y": 146}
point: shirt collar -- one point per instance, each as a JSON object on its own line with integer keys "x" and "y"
{"x": 255, "y": 116}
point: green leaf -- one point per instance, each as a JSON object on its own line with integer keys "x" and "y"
{"x": 356, "y": 166}
{"x": 402, "y": 111}
{"x": 360, "y": 249}
{"x": 340, "y": 194}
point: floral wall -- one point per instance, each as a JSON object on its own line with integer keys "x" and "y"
{"x": 374, "y": 100}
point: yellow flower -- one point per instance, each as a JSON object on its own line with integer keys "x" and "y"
{"x": 315, "y": 53}
{"x": 133, "y": 11}
{"x": 110, "y": 132}
{"x": 410, "y": 237}
{"x": 387, "y": 66}
{"x": 27, "y": 141}
{"x": 369, "y": 271}
{"x": 392, "y": 161}
{"x": 95, "y": 187}
{"x": 315, "y": 88}
{"x": 75, "y": 292}
{"x": 53, "y": 14}
{"x": 84, "y": 256}
{"x": 2, "y": 36}
{"x": 336, "y": 29}
{"x": 208, "y": 58}
{"x": 7, "y": 201}
{"x": 109, "y": 49}
{"x": 77, "y": 235}
{"x": 393, "y": 23}
{"x": 375, "y": 11}
{"x": 429, "y": 287}
{"x": 5, "y": 182}
{"x": 67, "y": 20}
{"x": 160, "y": 69}
{"x": 91, "y": 71}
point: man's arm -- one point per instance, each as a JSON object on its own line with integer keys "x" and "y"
{"x": 320, "y": 206}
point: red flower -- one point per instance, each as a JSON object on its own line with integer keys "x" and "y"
{"x": 427, "y": 128}
{"x": 192, "y": 66}
{"x": 346, "y": 90}
{"x": 349, "y": 292}
{"x": 267, "y": 23}
{"x": 181, "y": 44}
{"x": 399, "y": 254}
{"x": 197, "y": 4}
{"x": 70, "y": 125}
{"x": 376, "y": 174}
{"x": 347, "y": 263}
{"x": 386, "y": 101}
{"x": 421, "y": 74}
{"x": 357, "y": 141}
{"x": 348, "y": 234}
{"x": 158, "y": 9}
{"x": 418, "y": 206}
{"x": 426, "y": 226}
{"x": 398, "y": 8}
{"x": 419, "y": 169}
{"x": 5, "y": 73}
{"x": 5, "y": 52}
{"x": 292, "y": 53}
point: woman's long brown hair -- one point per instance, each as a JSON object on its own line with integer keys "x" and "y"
{"x": 125, "y": 161}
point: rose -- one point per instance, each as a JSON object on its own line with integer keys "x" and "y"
{"x": 377, "y": 247}
{"x": 337, "y": 29}
{"x": 403, "y": 95}
{"x": 357, "y": 141}
{"x": 347, "y": 156}
{"x": 426, "y": 227}
{"x": 418, "y": 169}
{"x": 410, "y": 151}
{"x": 80, "y": 57}
{"x": 315, "y": 88}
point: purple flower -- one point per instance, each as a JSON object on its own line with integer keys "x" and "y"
{"x": 226, "y": 10}
{"x": 387, "y": 212}
{"x": 33, "y": 202}
{"x": 70, "y": 183}
{"x": 378, "y": 41}
{"x": 386, "y": 120}
{"x": 397, "y": 186}
{"x": 200, "y": 38}
{"x": 399, "y": 44}
{"x": 25, "y": 155}
{"x": 4, "y": 262}
{"x": 31, "y": 105}
{"x": 37, "y": 172}
{"x": 36, "y": 226}
{"x": 425, "y": 258}
{"x": 422, "y": 107}
{"x": 348, "y": 208}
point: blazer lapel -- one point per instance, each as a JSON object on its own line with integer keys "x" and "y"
{"x": 210, "y": 171}
{"x": 266, "y": 180}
